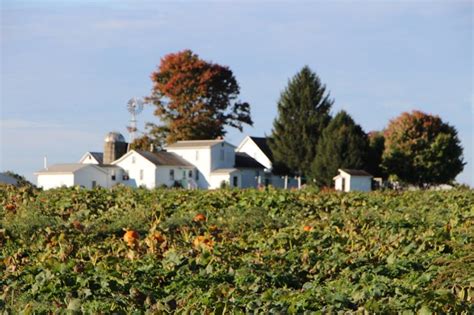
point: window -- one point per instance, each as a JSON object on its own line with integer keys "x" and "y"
{"x": 197, "y": 155}
{"x": 190, "y": 174}
{"x": 171, "y": 174}
{"x": 197, "y": 175}
{"x": 113, "y": 175}
{"x": 222, "y": 155}
{"x": 141, "y": 174}
{"x": 125, "y": 175}
{"x": 184, "y": 174}
{"x": 235, "y": 181}
{"x": 133, "y": 160}
{"x": 343, "y": 184}
{"x": 94, "y": 184}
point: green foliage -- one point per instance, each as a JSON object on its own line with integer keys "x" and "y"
{"x": 146, "y": 142}
{"x": 256, "y": 251}
{"x": 303, "y": 113}
{"x": 421, "y": 149}
{"x": 374, "y": 157}
{"x": 343, "y": 145}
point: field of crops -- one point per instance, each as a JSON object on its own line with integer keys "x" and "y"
{"x": 235, "y": 251}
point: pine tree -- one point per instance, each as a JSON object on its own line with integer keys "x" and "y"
{"x": 343, "y": 145}
{"x": 303, "y": 113}
{"x": 376, "y": 148}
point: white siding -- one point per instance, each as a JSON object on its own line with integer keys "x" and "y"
{"x": 163, "y": 175}
{"x": 249, "y": 147}
{"x": 85, "y": 176}
{"x": 352, "y": 183}
{"x": 249, "y": 177}
{"x": 48, "y": 181}
{"x": 203, "y": 163}
{"x": 132, "y": 165}
{"x": 220, "y": 150}
{"x": 88, "y": 159}
{"x": 360, "y": 183}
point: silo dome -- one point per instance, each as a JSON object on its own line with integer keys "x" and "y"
{"x": 114, "y": 136}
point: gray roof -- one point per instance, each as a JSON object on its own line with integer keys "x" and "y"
{"x": 243, "y": 160}
{"x": 7, "y": 179}
{"x": 262, "y": 143}
{"x": 114, "y": 136}
{"x": 164, "y": 158}
{"x": 355, "y": 172}
{"x": 195, "y": 143}
{"x": 99, "y": 156}
{"x": 64, "y": 168}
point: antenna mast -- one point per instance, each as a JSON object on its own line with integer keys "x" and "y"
{"x": 134, "y": 107}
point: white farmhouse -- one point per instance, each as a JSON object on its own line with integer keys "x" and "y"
{"x": 217, "y": 163}
{"x": 204, "y": 164}
{"x": 153, "y": 169}
{"x": 86, "y": 175}
{"x": 353, "y": 180}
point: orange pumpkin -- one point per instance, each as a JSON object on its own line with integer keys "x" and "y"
{"x": 203, "y": 241}
{"x": 131, "y": 237}
{"x": 10, "y": 207}
{"x": 307, "y": 228}
{"x": 199, "y": 217}
{"x": 158, "y": 237}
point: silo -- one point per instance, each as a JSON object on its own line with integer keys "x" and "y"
{"x": 114, "y": 147}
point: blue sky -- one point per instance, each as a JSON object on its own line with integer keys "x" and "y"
{"x": 68, "y": 68}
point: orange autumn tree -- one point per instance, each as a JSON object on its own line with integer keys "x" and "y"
{"x": 195, "y": 99}
{"x": 422, "y": 150}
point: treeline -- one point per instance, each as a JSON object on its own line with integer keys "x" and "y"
{"x": 196, "y": 99}
{"x": 415, "y": 148}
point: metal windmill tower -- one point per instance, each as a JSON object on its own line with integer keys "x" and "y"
{"x": 134, "y": 107}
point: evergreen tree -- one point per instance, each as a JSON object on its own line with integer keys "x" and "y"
{"x": 343, "y": 145}
{"x": 303, "y": 113}
{"x": 374, "y": 158}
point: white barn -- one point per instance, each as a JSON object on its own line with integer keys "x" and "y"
{"x": 258, "y": 149}
{"x": 73, "y": 174}
{"x": 353, "y": 180}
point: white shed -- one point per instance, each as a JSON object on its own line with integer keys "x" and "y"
{"x": 85, "y": 175}
{"x": 353, "y": 180}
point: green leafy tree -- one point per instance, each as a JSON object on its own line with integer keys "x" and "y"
{"x": 343, "y": 145}
{"x": 147, "y": 143}
{"x": 303, "y": 113}
{"x": 195, "y": 99}
{"x": 374, "y": 157}
{"x": 422, "y": 150}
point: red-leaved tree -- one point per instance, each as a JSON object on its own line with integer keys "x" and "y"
{"x": 195, "y": 99}
{"x": 422, "y": 150}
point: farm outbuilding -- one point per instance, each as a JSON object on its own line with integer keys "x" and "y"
{"x": 85, "y": 175}
{"x": 353, "y": 180}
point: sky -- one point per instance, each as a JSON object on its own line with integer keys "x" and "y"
{"x": 68, "y": 68}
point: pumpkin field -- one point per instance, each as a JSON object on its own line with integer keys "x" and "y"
{"x": 227, "y": 251}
